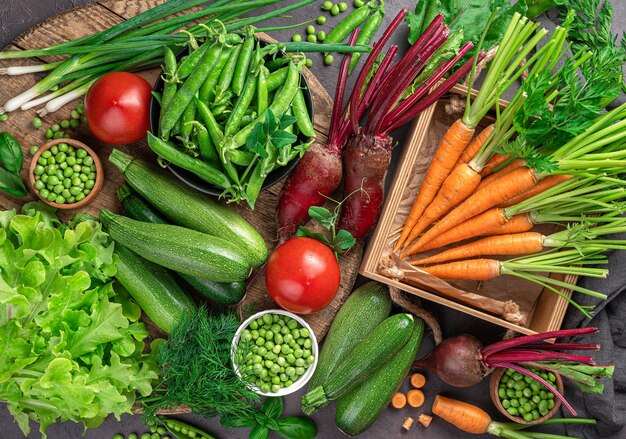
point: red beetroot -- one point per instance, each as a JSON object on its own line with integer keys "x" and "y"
{"x": 366, "y": 161}
{"x": 463, "y": 361}
{"x": 318, "y": 173}
{"x": 368, "y": 155}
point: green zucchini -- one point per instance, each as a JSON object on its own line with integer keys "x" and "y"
{"x": 365, "y": 309}
{"x": 153, "y": 288}
{"x": 179, "y": 249}
{"x": 226, "y": 293}
{"x": 357, "y": 411}
{"x": 366, "y": 358}
{"x": 189, "y": 208}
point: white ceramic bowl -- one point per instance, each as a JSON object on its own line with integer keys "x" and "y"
{"x": 300, "y": 382}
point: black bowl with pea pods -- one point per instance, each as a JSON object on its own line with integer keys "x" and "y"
{"x": 274, "y": 63}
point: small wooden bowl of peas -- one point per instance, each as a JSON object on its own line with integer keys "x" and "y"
{"x": 535, "y": 402}
{"x": 66, "y": 174}
{"x": 275, "y": 352}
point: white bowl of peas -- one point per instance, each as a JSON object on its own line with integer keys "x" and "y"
{"x": 275, "y": 352}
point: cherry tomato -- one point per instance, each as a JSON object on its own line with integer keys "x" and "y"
{"x": 117, "y": 108}
{"x": 302, "y": 275}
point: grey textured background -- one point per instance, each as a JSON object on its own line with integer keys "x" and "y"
{"x": 18, "y": 16}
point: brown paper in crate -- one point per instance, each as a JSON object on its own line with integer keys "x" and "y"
{"x": 510, "y": 298}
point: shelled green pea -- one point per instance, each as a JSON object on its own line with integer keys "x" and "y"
{"x": 278, "y": 350}
{"x": 64, "y": 174}
{"x": 523, "y": 396}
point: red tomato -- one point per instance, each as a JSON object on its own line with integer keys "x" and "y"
{"x": 117, "y": 108}
{"x": 302, "y": 275}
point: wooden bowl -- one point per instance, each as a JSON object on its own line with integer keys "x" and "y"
{"x": 76, "y": 144}
{"x": 493, "y": 392}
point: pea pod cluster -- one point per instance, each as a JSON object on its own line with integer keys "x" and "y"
{"x": 269, "y": 419}
{"x": 232, "y": 111}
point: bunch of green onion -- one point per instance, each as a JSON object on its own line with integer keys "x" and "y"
{"x": 135, "y": 44}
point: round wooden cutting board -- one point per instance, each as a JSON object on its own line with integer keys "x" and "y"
{"x": 98, "y": 16}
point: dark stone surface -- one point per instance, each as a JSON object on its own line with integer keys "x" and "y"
{"x": 17, "y": 16}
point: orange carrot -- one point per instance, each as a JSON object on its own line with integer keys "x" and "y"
{"x": 418, "y": 380}
{"x": 512, "y": 244}
{"x": 398, "y": 400}
{"x": 516, "y": 182}
{"x": 459, "y": 185}
{"x": 542, "y": 185}
{"x": 450, "y": 149}
{"x": 517, "y": 163}
{"x": 465, "y": 416}
{"x": 476, "y": 226}
{"x": 475, "y": 145}
{"x": 425, "y": 420}
{"x": 495, "y": 161}
{"x": 472, "y": 269}
{"x": 519, "y": 223}
{"x": 415, "y": 398}
{"x": 408, "y": 423}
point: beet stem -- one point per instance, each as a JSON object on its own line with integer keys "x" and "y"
{"x": 376, "y": 50}
{"x": 550, "y": 387}
{"x": 426, "y": 86}
{"x": 404, "y": 73}
{"x": 335, "y": 120}
{"x": 360, "y": 103}
{"x": 434, "y": 96}
{"x": 521, "y": 356}
{"x": 520, "y": 341}
{"x": 563, "y": 346}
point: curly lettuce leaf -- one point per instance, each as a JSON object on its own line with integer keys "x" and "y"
{"x": 70, "y": 347}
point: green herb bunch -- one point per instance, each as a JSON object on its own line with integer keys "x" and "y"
{"x": 196, "y": 369}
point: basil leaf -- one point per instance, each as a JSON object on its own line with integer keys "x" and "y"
{"x": 296, "y": 428}
{"x": 259, "y": 432}
{"x": 235, "y": 422}
{"x": 12, "y": 184}
{"x": 11, "y": 154}
{"x": 273, "y": 407}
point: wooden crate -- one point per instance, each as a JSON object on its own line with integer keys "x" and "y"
{"x": 540, "y": 309}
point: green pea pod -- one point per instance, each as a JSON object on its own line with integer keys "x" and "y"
{"x": 203, "y": 170}
{"x": 186, "y": 93}
{"x": 276, "y": 79}
{"x": 259, "y": 432}
{"x": 279, "y": 105}
{"x": 276, "y": 63}
{"x": 242, "y": 104}
{"x": 188, "y": 116}
{"x": 207, "y": 150}
{"x": 169, "y": 80}
{"x": 223, "y": 99}
{"x": 253, "y": 189}
{"x": 296, "y": 428}
{"x": 186, "y": 67}
{"x": 182, "y": 430}
{"x": 243, "y": 64}
{"x": 262, "y": 95}
{"x": 368, "y": 30}
{"x": 301, "y": 113}
{"x": 241, "y": 158}
{"x": 351, "y": 22}
{"x": 217, "y": 137}
{"x": 207, "y": 90}
{"x": 226, "y": 76}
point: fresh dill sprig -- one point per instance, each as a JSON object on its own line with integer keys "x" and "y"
{"x": 196, "y": 369}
